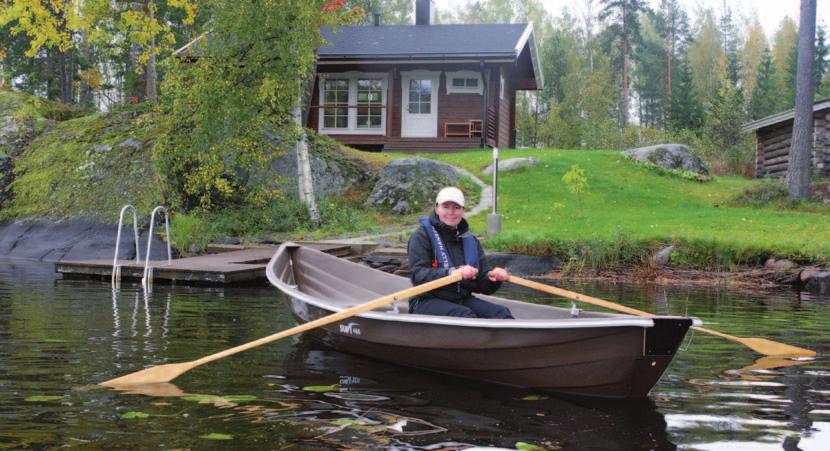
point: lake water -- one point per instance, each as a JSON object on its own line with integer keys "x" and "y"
{"x": 59, "y": 338}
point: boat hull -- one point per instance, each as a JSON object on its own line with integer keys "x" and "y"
{"x": 609, "y": 362}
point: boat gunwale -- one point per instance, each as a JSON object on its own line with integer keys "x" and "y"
{"x": 565, "y": 323}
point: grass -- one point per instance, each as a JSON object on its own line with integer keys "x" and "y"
{"x": 629, "y": 209}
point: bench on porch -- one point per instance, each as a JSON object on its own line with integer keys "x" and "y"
{"x": 468, "y": 129}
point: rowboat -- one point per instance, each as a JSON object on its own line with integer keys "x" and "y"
{"x": 545, "y": 348}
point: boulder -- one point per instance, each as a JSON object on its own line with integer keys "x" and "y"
{"x": 512, "y": 164}
{"x": 663, "y": 256}
{"x": 669, "y": 156}
{"x": 72, "y": 240}
{"x": 409, "y": 185}
{"x": 332, "y": 170}
{"x": 779, "y": 265}
{"x": 818, "y": 282}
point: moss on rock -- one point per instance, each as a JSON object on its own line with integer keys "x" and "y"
{"x": 88, "y": 166}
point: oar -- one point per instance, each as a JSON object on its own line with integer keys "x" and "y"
{"x": 759, "y": 345}
{"x": 168, "y": 372}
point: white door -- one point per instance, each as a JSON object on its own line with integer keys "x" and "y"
{"x": 420, "y": 105}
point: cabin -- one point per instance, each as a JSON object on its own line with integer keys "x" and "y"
{"x": 774, "y": 136}
{"x": 423, "y": 87}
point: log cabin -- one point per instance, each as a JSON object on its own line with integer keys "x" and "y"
{"x": 423, "y": 87}
{"x": 774, "y": 137}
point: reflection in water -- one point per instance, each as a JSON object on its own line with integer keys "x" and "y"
{"x": 59, "y": 334}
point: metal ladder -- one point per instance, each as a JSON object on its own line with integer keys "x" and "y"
{"x": 147, "y": 276}
{"x": 116, "y": 268}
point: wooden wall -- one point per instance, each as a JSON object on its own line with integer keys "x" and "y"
{"x": 773, "y": 147}
{"x": 451, "y": 107}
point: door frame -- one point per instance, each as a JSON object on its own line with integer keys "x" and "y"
{"x": 420, "y": 74}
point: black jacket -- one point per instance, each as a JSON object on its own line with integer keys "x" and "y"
{"x": 421, "y": 257}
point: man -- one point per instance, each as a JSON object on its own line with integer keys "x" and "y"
{"x": 443, "y": 245}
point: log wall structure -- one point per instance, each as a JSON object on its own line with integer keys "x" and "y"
{"x": 774, "y": 137}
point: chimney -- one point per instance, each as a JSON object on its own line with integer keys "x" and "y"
{"x": 424, "y": 13}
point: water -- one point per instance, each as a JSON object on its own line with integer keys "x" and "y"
{"x": 58, "y": 338}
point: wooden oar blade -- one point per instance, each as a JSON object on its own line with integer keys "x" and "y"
{"x": 152, "y": 375}
{"x": 774, "y": 348}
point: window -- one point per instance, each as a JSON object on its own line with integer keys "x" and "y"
{"x": 464, "y": 82}
{"x": 369, "y": 103}
{"x": 336, "y": 93}
{"x": 353, "y": 103}
{"x": 420, "y": 96}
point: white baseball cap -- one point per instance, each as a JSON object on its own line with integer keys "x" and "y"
{"x": 450, "y": 194}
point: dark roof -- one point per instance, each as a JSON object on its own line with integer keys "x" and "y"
{"x": 777, "y": 118}
{"x": 425, "y": 41}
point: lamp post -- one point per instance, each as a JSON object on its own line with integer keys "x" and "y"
{"x": 494, "y": 219}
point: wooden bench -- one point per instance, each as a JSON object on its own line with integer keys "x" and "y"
{"x": 456, "y": 129}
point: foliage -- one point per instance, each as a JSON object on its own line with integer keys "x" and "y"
{"x": 258, "y": 59}
{"x": 680, "y": 173}
{"x": 577, "y": 184}
{"x": 87, "y": 166}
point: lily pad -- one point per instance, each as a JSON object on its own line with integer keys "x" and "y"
{"x": 201, "y": 398}
{"x": 347, "y": 422}
{"x": 528, "y": 447}
{"x": 239, "y": 398}
{"x": 321, "y": 388}
{"x": 348, "y": 396}
{"x": 216, "y": 436}
{"x": 134, "y": 415}
{"x": 534, "y": 398}
{"x": 42, "y": 398}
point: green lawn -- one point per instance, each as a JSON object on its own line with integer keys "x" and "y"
{"x": 628, "y": 206}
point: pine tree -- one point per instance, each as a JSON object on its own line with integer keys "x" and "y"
{"x": 729, "y": 42}
{"x": 764, "y": 99}
{"x": 625, "y": 27}
{"x": 672, "y": 24}
{"x": 821, "y": 64}
{"x": 799, "y": 167}
{"x": 686, "y": 108}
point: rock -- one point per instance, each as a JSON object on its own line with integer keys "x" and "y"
{"x": 512, "y": 164}
{"x": 779, "y": 265}
{"x": 669, "y": 156}
{"x": 130, "y": 143}
{"x": 807, "y": 274}
{"x": 388, "y": 268}
{"x": 99, "y": 148}
{"x": 524, "y": 265}
{"x": 409, "y": 185}
{"x": 332, "y": 170}
{"x": 228, "y": 240}
{"x": 72, "y": 240}
{"x": 663, "y": 256}
{"x": 818, "y": 283}
{"x": 14, "y": 137}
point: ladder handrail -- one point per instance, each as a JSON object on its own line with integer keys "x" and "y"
{"x": 144, "y": 281}
{"x": 118, "y": 238}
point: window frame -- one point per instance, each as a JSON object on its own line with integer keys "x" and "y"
{"x": 466, "y": 75}
{"x": 352, "y": 77}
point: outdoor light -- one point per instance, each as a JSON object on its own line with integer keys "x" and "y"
{"x": 494, "y": 219}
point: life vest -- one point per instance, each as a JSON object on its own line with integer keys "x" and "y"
{"x": 442, "y": 257}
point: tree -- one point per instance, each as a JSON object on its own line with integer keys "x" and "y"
{"x": 822, "y": 51}
{"x": 392, "y": 12}
{"x": 651, "y": 74}
{"x": 764, "y": 99}
{"x": 729, "y": 42}
{"x": 784, "y": 56}
{"x": 707, "y": 59}
{"x": 686, "y": 108}
{"x": 218, "y": 106}
{"x": 752, "y": 55}
{"x": 625, "y": 27}
{"x": 798, "y": 170}
{"x": 673, "y": 26}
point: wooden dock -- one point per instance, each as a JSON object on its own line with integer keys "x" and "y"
{"x": 229, "y": 264}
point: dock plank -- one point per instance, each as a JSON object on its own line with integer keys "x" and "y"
{"x": 230, "y": 266}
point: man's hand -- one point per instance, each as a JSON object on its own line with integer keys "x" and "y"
{"x": 466, "y": 271}
{"x": 498, "y": 275}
